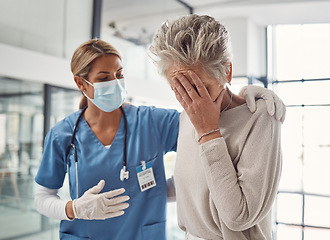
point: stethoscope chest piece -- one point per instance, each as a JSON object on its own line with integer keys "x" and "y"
{"x": 124, "y": 174}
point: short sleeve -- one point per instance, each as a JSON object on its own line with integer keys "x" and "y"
{"x": 166, "y": 122}
{"x": 52, "y": 169}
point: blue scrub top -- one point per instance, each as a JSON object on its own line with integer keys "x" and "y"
{"x": 151, "y": 132}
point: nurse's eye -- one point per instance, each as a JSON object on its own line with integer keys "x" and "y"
{"x": 103, "y": 79}
{"x": 119, "y": 76}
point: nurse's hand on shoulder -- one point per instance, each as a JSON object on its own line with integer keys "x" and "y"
{"x": 274, "y": 104}
{"x": 95, "y": 205}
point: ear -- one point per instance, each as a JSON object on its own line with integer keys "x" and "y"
{"x": 80, "y": 83}
{"x": 229, "y": 71}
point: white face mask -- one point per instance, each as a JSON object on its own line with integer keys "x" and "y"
{"x": 108, "y": 95}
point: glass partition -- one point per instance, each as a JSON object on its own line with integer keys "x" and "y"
{"x": 21, "y": 124}
{"x": 21, "y": 146}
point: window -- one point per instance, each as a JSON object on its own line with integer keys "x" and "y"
{"x": 298, "y": 64}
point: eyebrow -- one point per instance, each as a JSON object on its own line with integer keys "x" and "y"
{"x": 109, "y": 72}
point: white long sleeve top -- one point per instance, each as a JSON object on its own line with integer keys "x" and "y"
{"x": 48, "y": 203}
{"x": 225, "y": 188}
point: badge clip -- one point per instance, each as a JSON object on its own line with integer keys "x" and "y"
{"x": 143, "y": 163}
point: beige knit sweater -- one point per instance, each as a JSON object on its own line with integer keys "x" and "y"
{"x": 225, "y": 188}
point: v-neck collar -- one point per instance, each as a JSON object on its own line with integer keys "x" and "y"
{"x": 118, "y": 137}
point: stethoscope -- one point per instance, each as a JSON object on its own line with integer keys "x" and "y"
{"x": 124, "y": 174}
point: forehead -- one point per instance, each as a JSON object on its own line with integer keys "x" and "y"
{"x": 177, "y": 68}
{"x": 109, "y": 62}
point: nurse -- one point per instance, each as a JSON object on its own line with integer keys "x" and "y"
{"x": 113, "y": 154}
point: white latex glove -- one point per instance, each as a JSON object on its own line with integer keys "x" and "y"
{"x": 92, "y": 205}
{"x": 273, "y": 102}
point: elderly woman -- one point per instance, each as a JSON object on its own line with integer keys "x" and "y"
{"x": 228, "y": 159}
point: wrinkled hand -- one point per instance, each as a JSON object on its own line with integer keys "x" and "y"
{"x": 203, "y": 113}
{"x": 95, "y": 205}
{"x": 273, "y": 102}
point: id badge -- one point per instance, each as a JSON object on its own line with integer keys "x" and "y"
{"x": 145, "y": 176}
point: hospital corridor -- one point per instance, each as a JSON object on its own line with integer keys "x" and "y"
{"x": 94, "y": 90}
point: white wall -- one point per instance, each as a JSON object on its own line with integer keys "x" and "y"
{"x": 38, "y": 37}
{"x": 276, "y": 12}
{"x": 238, "y": 30}
{"x": 78, "y": 25}
{"x": 52, "y": 27}
{"x": 19, "y": 63}
{"x": 248, "y": 43}
{"x": 256, "y": 49}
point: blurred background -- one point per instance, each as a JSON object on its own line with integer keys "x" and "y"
{"x": 283, "y": 45}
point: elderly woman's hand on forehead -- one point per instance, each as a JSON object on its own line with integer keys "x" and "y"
{"x": 203, "y": 113}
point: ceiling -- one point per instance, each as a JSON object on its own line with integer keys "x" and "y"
{"x": 139, "y": 19}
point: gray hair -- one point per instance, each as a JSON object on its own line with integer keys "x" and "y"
{"x": 192, "y": 40}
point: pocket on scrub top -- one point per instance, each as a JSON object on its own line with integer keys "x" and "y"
{"x": 154, "y": 231}
{"x": 67, "y": 236}
{"x": 134, "y": 186}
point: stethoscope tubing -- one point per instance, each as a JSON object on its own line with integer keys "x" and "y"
{"x": 125, "y": 138}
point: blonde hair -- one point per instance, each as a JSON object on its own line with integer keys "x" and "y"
{"x": 192, "y": 40}
{"x": 85, "y": 55}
